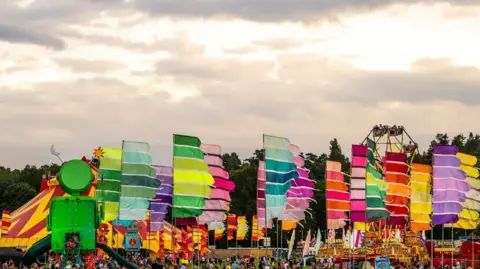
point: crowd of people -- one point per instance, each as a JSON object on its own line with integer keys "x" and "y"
{"x": 234, "y": 262}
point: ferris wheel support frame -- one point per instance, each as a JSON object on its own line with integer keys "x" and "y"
{"x": 398, "y": 143}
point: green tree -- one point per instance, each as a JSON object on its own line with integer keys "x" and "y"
{"x": 15, "y": 194}
{"x": 459, "y": 141}
{"x": 231, "y": 161}
{"x": 440, "y": 139}
{"x": 472, "y": 144}
{"x": 32, "y": 176}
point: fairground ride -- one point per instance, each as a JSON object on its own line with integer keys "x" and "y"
{"x": 391, "y": 139}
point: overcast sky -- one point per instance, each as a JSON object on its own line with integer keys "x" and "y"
{"x": 84, "y": 73}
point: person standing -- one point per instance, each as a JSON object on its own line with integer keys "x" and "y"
{"x": 157, "y": 264}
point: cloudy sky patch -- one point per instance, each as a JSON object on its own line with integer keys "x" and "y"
{"x": 79, "y": 74}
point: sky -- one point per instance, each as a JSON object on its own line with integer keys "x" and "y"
{"x": 85, "y": 73}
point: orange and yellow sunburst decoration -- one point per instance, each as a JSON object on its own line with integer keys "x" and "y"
{"x": 98, "y": 152}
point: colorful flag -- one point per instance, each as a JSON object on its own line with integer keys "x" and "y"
{"x": 6, "y": 221}
{"x": 139, "y": 184}
{"x": 261, "y": 204}
{"x": 337, "y": 196}
{"x": 449, "y": 185}
{"x": 358, "y": 205}
{"x": 468, "y": 217}
{"x": 421, "y": 199}
{"x": 109, "y": 182}
{"x": 376, "y": 188}
{"x": 242, "y": 228}
{"x": 300, "y": 193}
{"x": 191, "y": 177}
{"x": 398, "y": 193}
{"x": 279, "y": 170}
{"x": 163, "y": 199}
{"x": 217, "y": 204}
{"x": 257, "y": 232}
{"x": 375, "y": 195}
{"x": 219, "y": 233}
{"x": 231, "y": 226}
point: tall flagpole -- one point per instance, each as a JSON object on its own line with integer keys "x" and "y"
{"x": 326, "y": 211}
{"x": 119, "y": 203}
{"x": 431, "y": 247}
{"x": 251, "y": 239}
{"x": 227, "y": 229}
{"x": 258, "y": 238}
{"x": 473, "y": 250}
{"x": 200, "y": 245}
{"x": 173, "y": 204}
{"x": 281, "y": 240}
{"x": 277, "y": 239}
{"x": 148, "y": 232}
{"x": 350, "y": 238}
{"x": 265, "y": 173}
{"x": 443, "y": 239}
{"x": 451, "y": 242}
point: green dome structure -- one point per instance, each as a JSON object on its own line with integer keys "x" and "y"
{"x": 75, "y": 177}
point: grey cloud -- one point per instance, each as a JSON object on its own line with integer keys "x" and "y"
{"x": 52, "y": 11}
{"x": 321, "y": 80}
{"x": 174, "y": 46}
{"x": 268, "y": 10}
{"x": 41, "y": 20}
{"x": 246, "y": 83}
{"x": 430, "y": 81}
{"x": 204, "y": 69}
{"x": 16, "y": 34}
{"x": 239, "y": 100}
{"x": 88, "y": 66}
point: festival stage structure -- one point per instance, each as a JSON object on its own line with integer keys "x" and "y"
{"x": 27, "y": 224}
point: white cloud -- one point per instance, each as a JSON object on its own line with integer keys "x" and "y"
{"x": 126, "y": 74}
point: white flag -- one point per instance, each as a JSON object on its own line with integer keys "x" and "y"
{"x": 318, "y": 243}
{"x": 306, "y": 247}
{"x": 291, "y": 244}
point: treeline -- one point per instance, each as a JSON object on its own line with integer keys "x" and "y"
{"x": 19, "y": 186}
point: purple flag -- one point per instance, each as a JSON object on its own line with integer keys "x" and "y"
{"x": 159, "y": 205}
{"x": 449, "y": 185}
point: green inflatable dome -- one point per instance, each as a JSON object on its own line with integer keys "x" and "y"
{"x": 75, "y": 176}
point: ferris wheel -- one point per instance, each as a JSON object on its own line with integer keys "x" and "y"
{"x": 391, "y": 139}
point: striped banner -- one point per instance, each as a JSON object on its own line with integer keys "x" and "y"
{"x": 139, "y": 183}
